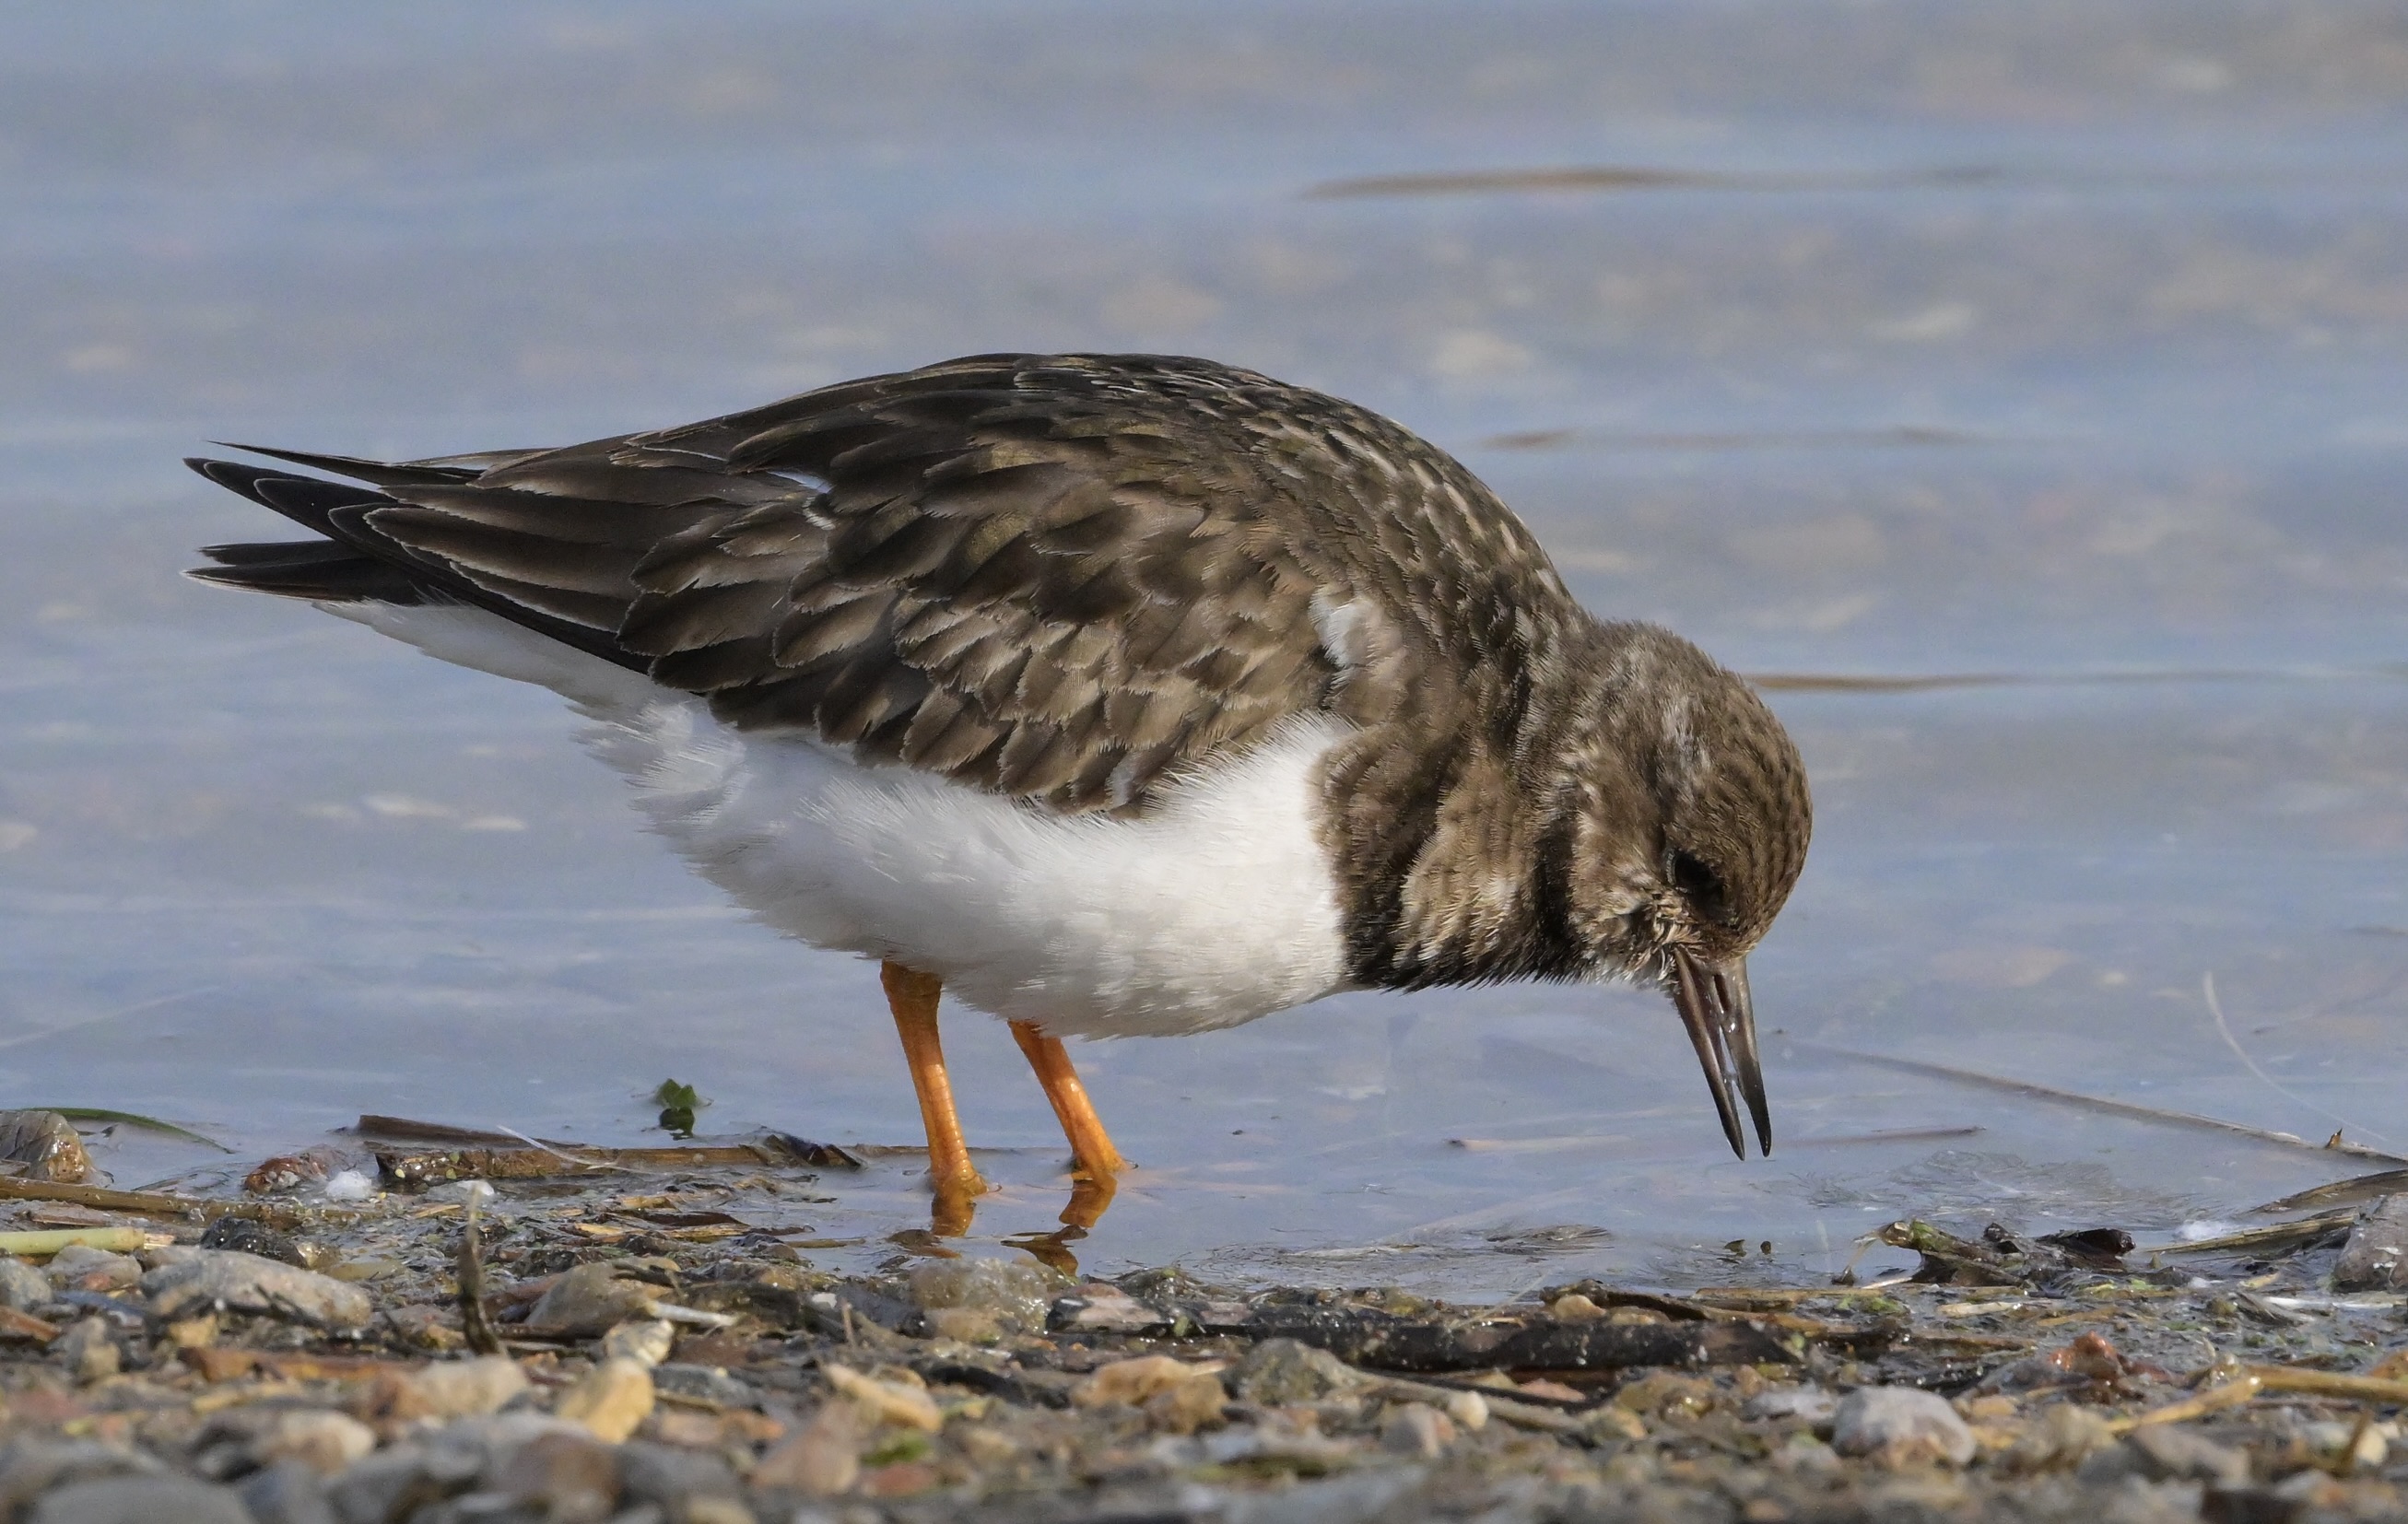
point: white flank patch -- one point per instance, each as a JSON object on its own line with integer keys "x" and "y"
{"x": 1216, "y": 907}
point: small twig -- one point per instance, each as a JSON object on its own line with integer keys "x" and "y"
{"x": 474, "y": 1326}
{"x": 558, "y": 1153}
{"x": 2275, "y": 1236}
{"x": 2363, "y": 1187}
{"x": 2213, "y": 1400}
{"x": 154, "y": 1204}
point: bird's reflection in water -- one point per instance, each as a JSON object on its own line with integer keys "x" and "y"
{"x": 952, "y": 1211}
{"x": 1052, "y": 1250}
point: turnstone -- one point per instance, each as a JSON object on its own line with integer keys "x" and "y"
{"x": 1118, "y": 694}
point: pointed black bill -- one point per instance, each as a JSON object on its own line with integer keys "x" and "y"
{"x": 1714, "y": 1006}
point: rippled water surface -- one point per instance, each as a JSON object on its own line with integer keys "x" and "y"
{"x": 2053, "y": 351}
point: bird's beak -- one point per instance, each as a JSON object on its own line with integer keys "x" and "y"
{"x": 1714, "y": 1006}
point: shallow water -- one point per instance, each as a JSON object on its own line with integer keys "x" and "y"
{"x": 2060, "y": 350}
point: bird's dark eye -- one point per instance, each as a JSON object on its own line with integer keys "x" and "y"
{"x": 1697, "y": 883}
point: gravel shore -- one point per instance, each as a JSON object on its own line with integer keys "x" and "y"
{"x": 628, "y": 1349}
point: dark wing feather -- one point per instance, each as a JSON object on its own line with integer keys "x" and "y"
{"x": 1059, "y": 577}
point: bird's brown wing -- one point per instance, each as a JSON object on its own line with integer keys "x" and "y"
{"x": 1059, "y": 577}
{"x": 1056, "y": 578}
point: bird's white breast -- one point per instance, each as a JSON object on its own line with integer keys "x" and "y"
{"x": 1215, "y": 908}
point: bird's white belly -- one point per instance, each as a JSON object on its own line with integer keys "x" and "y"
{"x": 1215, "y": 908}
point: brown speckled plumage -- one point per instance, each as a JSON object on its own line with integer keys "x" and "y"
{"x": 1070, "y": 578}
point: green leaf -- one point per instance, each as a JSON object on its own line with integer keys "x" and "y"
{"x": 674, "y": 1096}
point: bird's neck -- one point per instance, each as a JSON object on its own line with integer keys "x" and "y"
{"x": 1452, "y": 835}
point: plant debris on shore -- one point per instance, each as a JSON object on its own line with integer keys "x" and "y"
{"x": 603, "y": 1335}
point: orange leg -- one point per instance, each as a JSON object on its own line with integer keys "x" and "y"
{"x": 1096, "y": 1165}
{"x": 913, "y": 995}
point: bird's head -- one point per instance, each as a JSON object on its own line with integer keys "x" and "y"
{"x": 1689, "y": 822}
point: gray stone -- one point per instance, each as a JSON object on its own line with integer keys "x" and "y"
{"x": 1810, "y": 1403}
{"x": 498, "y": 1435}
{"x": 461, "y": 1388}
{"x": 89, "y": 1348}
{"x": 1416, "y": 1430}
{"x": 46, "y": 1144}
{"x": 202, "y": 1280}
{"x": 252, "y": 1237}
{"x": 675, "y": 1478}
{"x": 572, "y": 1478}
{"x": 704, "y": 1383}
{"x": 287, "y": 1492}
{"x": 593, "y": 1300}
{"x": 1014, "y": 1292}
{"x": 23, "y": 1286}
{"x": 141, "y": 1500}
{"x": 2375, "y": 1259}
{"x": 1278, "y": 1372}
{"x": 1900, "y": 1425}
{"x": 395, "y": 1482}
{"x": 325, "y": 1441}
{"x": 30, "y": 1467}
{"x": 88, "y": 1268}
{"x": 2170, "y": 1453}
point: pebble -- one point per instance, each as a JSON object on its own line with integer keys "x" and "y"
{"x": 360, "y": 1270}
{"x": 1179, "y": 1397}
{"x": 819, "y": 1460}
{"x": 88, "y": 1269}
{"x": 571, "y": 1476}
{"x": 998, "y": 1296}
{"x": 30, "y": 1467}
{"x": 249, "y": 1237}
{"x": 703, "y": 1384}
{"x": 693, "y": 1487}
{"x": 23, "y": 1286}
{"x": 320, "y": 1438}
{"x": 2348, "y": 1444}
{"x": 495, "y": 1437}
{"x": 1416, "y": 1430}
{"x": 1106, "y": 1308}
{"x": 591, "y": 1300}
{"x": 46, "y": 1143}
{"x": 886, "y": 1401}
{"x": 2168, "y": 1452}
{"x": 199, "y": 1279}
{"x": 963, "y": 1325}
{"x": 647, "y": 1342}
{"x": 1810, "y": 1403}
{"x": 387, "y": 1484}
{"x": 610, "y": 1399}
{"x": 1192, "y": 1405}
{"x": 141, "y": 1500}
{"x": 90, "y": 1349}
{"x": 287, "y": 1492}
{"x": 1281, "y": 1372}
{"x": 1132, "y": 1381}
{"x": 2065, "y": 1435}
{"x": 1900, "y": 1426}
{"x": 2376, "y": 1258}
{"x": 461, "y": 1388}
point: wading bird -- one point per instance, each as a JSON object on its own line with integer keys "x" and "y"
{"x": 1118, "y": 694}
